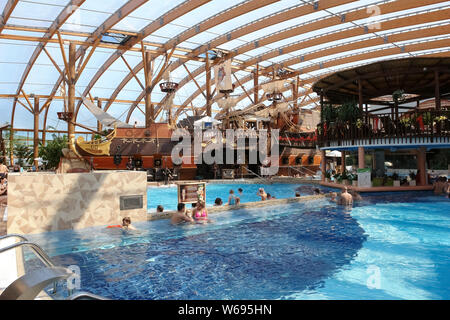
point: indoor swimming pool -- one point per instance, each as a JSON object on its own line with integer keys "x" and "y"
{"x": 388, "y": 246}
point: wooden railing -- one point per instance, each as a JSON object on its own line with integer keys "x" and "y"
{"x": 410, "y": 127}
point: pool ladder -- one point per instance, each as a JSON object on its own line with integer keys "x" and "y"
{"x": 28, "y": 286}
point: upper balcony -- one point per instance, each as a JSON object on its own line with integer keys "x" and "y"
{"x": 393, "y": 104}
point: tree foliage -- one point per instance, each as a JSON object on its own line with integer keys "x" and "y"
{"x": 51, "y": 153}
{"x": 23, "y": 153}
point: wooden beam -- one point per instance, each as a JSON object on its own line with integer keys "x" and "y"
{"x": 71, "y": 88}
{"x": 63, "y": 53}
{"x": 437, "y": 91}
{"x": 28, "y": 101}
{"x": 134, "y": 74}
{"x": 55, "y": 64}
{"x": 149, "y": 107}
{"x": 245, "y": 91}
{"x": 7, "y": 11}
{"x": 208, "y": 85}
{"x": 83, "y": 66}
{"x": 25, "y": 106}
{"x": 36, "y": 113}
{"x": 193, "y": 79}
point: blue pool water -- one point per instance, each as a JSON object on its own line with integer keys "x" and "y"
{"x": 167, "y": 196}
{"x": 389, "y": 246}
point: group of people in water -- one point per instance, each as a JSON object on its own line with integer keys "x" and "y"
{"x": 198, "y": 214}
{"x": 346, "y": 197}
{"x": 442, "y": 186}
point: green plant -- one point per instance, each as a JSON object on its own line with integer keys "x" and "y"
{"x": 398, "y": 96}
{"x": 348, "y": 112}
{"x": 23, "y": 153}
{"x": 427, "y": 118}
{"x": 389, "y": 182}
{"x": 352, "y": 177}
{"x": 337, "y": 177}
{"x": 328, "y": 175}
{"x": 328, "y": 113}
{"x": 405, "y": 121}
{"x": 395, "y": 176}
{"x": 359, "y": 123}
{"x": 412, "y": 175}
{"x": 377, "y": 182}
{"x": 344, "y": 175}
{"x": 51, "y": 153}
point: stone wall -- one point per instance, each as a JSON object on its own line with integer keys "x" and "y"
{"x": 49, "y": 202}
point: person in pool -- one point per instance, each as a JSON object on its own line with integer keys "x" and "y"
{"x": 261, "y": 193}
{"x": 200, "y": 213}
{"x": 332, "y": 196}
{"x": 218, "y": 202}
{"x": 159, "y": 209}
{"x": 232, "y": 199}
{"x": 270, "y": 197}
{"x": 345, "y": 198}
{"x": 439, "y": 185}
{"x": 181, "y": 216}
{"x": 126, "y": 224}
{"x": 240, "y": 191}
{"x": 355, "y": 195}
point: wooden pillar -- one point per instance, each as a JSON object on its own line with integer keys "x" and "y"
{"x": 11, "y": 145}
{"x": 256, "y": 85}
{"x": 437, "y": 92}
{"x": 36, "y": 133}
{"x": 421, "y": 166}
{"x": 71, "y": 89}
{"x": 360, "y": 95}
{"x": 208, "y": 86}
{"x": 342, "y": 161}
{"x": 295, "y": 93}
{"x": 148, "y": 74}
{"x": 321, "y": 106}
{"x": 323, "y": 164}
{"x": 396, "y": 110}
{"x": 361, "y": 158}
{"x": 367, "y": 113}
{"x": 99, "y": 124}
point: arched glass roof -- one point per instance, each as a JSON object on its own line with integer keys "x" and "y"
{"x": 308, "y": 39}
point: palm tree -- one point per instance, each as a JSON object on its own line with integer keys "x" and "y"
{"x": 23, "y": 153}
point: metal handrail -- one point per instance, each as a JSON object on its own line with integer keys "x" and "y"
{"x": 81, "y": 295}
{"x": 309, "y": 171}
{"x": 14, "y": 235}
{"x": 265, "y": 179}
{"x": 36, "y": 249}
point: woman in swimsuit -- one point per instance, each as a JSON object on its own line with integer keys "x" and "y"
{"x": 201, "y": 213}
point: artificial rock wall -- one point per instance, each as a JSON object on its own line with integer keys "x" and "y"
{"x": 49, "y": 202}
